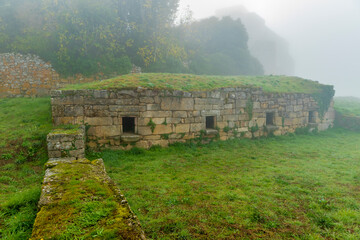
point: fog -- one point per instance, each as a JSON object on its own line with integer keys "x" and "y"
{"x": 323, "y": 35}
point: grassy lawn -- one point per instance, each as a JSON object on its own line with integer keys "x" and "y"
{"x": 348, "y": 106}
{"x": 188, "y": 82}
{"x": 291, "y": 187}
{"x": 24, "y": 123}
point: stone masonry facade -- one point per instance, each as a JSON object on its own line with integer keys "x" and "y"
{"x": 64, "y": 143}
{"x": 143, "y": 118}
{"x": 28, "y": 75}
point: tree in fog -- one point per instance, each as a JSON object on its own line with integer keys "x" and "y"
{"x": 219, "y": 46}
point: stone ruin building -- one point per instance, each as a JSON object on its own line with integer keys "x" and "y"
{"x": 29, "y": 76}
{"x": 144, "y": 117}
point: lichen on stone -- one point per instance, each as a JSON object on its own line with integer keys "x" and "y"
{"x": 79, "y": 201}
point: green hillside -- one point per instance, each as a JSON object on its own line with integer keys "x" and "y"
{"x": 348, "y": 106}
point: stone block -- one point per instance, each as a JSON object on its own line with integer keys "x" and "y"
{"x": 153, "y": 107}
{"x": 143, "y": 144}
{"x": 130, "y": 138}
{"x": 147, "y": 100}
{"x": 162, "y": 143}
{"x": 202, "y": 107}
{"x": 153, "y": 114}
{"x": 214, "y": 94}
{"x": 288, "y": 122}
{"x": 261, "y": 121}
{"x": 180, "y": 114}
{"x": 264, "y": 105}
{"x": 152, "y": 137}
{"x": 144, "y": 130}
{"x": 73, "y": 111}
{"x": 298, "y": 108}
{"x": 163, "y": 129}
{"x": 182, "y": 128}
{"x": 278, "y": 121}
{"x": 210, "y": 113}
{"x": 177, "y": 103}
{"x": 125, "y": 101}
{"x": 197, "y": 127}
{"x": 158, "y": 121}
{"x": 107, "y": 131}
{"x": 80, "y": 153}
{"x": 173, "y": 120}
{"x": 228, "y": 106}
{"x": 256, "y": 105}
{"x": 54, "y": 154}
{"x": 98, "y": 121}
{"x": 79, "y": 144}
{"x": 222, "y": 125}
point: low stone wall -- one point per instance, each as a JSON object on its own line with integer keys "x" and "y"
{"x": 79, "y": 201}
{"x": 65, "y": 143}
{"x": 160, "y": 117}
{"x": 28, "y": 75}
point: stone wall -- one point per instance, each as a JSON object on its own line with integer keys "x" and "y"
{"x": 65, "y": 143}
{"x": 28, "y": 75}
{"x": 160, "y": 117}
{"x": 70, "y": 188}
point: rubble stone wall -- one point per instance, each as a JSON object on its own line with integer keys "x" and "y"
{"x": 64, "y": 143}
{"x": 162, "y": 117}
{"x": 28, "y": 75}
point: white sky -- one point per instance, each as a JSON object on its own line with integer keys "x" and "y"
{"x": 324, "y": 35}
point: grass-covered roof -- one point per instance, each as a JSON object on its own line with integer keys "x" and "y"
{"x": 187, "y": 82}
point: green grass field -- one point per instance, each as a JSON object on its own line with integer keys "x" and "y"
{"x": 24, "y": 124}
{"x": 187, "y": 82}
{"x": 348, "y": 106}
{"x": 291, "y": 187}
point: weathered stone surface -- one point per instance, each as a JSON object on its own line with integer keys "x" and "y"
{"x": 98, "y": 121}
{"x": 152, "y": 114}
{"x": 59, "y": 193}
{"x": 162, "y": 129}
{"x": 177, "y": 103}
{"x": 130, "y": 138}
{"x": 182, "y": 128}
{"x": 180, "y": 114}
{"x": 66, "y": 143}
{"x": 144, "y": 131}
{"x": 197, "y": 127}
{"x": 176, "y": 112}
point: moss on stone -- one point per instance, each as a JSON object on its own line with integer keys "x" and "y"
{"x": 81, "y": 202}
{"x": 67, "y": 129}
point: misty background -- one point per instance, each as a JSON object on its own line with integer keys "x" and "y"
{"x": 317, "y": 40}
{"x": 322, "y": 36}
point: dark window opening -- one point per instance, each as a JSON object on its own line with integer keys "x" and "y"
{"x": 312, "y": 117}
{"x": 128, "y": 124}
{"x": 210, "y": 122}
{"x": 270, "y": 118}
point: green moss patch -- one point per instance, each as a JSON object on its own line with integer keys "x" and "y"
{"x": 67, "y": 129}
{"x": 80, "y": 202}
{"x": 187, "y": 82}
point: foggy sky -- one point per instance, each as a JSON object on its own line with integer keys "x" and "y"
{"x": 323, "y": 35}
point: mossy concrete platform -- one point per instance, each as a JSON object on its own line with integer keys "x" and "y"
{"x": 79, "y": 201}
